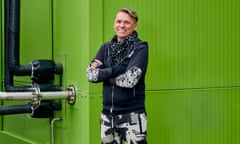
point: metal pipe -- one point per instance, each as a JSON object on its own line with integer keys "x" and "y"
{"x": 30, "y": 95}
{"x": 70, "y": 95}
{"x": 52, "y": 128}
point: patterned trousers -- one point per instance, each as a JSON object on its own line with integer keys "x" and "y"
{"x": 130, "y": 128}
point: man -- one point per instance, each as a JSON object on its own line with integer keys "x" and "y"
{"x": 121, "y": 65}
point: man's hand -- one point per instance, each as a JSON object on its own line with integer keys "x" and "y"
{"x": 96, "y": 63}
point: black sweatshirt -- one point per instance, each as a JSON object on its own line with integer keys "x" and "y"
{"x": 123, "y": 84}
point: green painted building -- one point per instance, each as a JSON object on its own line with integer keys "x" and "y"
{"x": 193, "y": 78}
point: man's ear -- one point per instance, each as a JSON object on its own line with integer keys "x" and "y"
{"x": 135, "y": 27}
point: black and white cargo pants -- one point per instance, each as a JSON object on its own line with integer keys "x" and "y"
{"x": 130, "y": 128}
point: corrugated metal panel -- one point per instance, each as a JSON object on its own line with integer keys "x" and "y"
{"x": 169, "y": 117}
{"x": 194, "y": 43}
{"x": 193, "y": 81}
{"x": 206, "y": 116}
{"x": 215, "y": 116}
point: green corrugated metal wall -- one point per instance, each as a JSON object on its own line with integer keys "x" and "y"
{"x": 193, "y": 79}
{"x": 193, "y": 82}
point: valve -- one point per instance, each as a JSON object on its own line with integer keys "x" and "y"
{"x": 43, "y": 71}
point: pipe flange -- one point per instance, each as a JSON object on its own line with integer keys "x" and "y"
{"x": 71, "y": 95}
{"x": 36, "y": 100}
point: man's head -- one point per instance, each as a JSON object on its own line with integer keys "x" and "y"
{"x": 125, "y": 23}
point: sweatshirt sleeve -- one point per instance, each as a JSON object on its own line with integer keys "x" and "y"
{"x": 100, "y": 73}
{"x": 96, "y": 75}
{"x": 135, "y": 69}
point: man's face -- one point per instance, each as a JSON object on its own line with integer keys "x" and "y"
{"x": 124, "y": 25}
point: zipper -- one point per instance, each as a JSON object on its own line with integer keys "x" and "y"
{"x": 134, "y": 93}
{"x": 111, "y": 110}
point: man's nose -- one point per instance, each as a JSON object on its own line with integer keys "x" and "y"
{"x": 122, "y": 24}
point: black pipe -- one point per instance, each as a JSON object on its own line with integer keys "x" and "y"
{"x": 12, "y": 67}
{"x": 45, "y": 109}
{"x": 13, "y": 40}
{"x": 41, "y": 71}
{"x": 16, "y": 109}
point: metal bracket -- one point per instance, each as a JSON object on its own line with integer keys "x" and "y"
{"x": 71, "y": 95}
{"x": 36, "y": 101}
